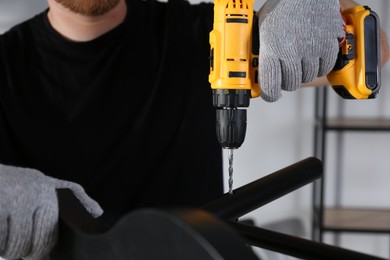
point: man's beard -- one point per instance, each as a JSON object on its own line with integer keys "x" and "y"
{"x": 89, "y": 7}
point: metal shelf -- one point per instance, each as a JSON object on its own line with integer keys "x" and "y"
{"x": 342, "y": 219}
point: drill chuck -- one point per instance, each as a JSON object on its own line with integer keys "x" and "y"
{"x": 231, "y": 127}
{"x": 231, "y": 121}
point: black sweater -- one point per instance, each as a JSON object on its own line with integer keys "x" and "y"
{"x": 128, "y": 115}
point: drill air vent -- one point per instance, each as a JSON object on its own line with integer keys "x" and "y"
{"x": 237, "y": 4}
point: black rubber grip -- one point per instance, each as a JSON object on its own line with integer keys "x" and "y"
{"x": 231, "y": 127}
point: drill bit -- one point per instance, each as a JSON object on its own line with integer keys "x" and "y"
{"x": 230, "y": 170}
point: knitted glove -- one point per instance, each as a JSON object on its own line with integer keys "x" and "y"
{"x": 29, "y": 211}
{"x": 298, "y": 42}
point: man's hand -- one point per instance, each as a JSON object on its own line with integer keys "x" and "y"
{"x": 29, "y": 212}
{"x": 298, "y": 42}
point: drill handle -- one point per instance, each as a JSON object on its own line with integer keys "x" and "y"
{"x": 356, "y": 74}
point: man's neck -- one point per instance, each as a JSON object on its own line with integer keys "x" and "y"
{"x": 81, "y": 28}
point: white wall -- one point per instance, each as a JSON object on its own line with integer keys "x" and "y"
{"x": 14, "y": 11}
{"x": 281, "y": 133}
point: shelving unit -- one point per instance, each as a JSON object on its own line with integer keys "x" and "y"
{"x": 339, "y": 218}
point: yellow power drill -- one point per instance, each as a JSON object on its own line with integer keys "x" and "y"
{"x": 234, "y": 55}
{"x": 234, "y": 58}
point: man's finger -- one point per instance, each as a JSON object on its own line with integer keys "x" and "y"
{"x": 270, "y": 78}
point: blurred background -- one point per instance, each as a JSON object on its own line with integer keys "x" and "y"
{"x": 281, "y": 133}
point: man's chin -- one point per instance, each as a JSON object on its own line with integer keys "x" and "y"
{"x": 89, "y": 7}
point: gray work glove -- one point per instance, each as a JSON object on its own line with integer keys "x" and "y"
{"x": 29, "y": 211}
{"x": 298, "y": 42}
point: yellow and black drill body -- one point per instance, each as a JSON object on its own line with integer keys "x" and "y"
{"x": 234, "y": 56}
{"x": 233, "y": 67}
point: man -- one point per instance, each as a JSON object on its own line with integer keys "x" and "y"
{"x": 113, "y": 95}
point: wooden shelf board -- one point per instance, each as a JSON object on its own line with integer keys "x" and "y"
{"x": 358, "y": 220}
{"x": 378, "y": 124}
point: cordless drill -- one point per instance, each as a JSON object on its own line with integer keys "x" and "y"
{"x": 234, "y": 59}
